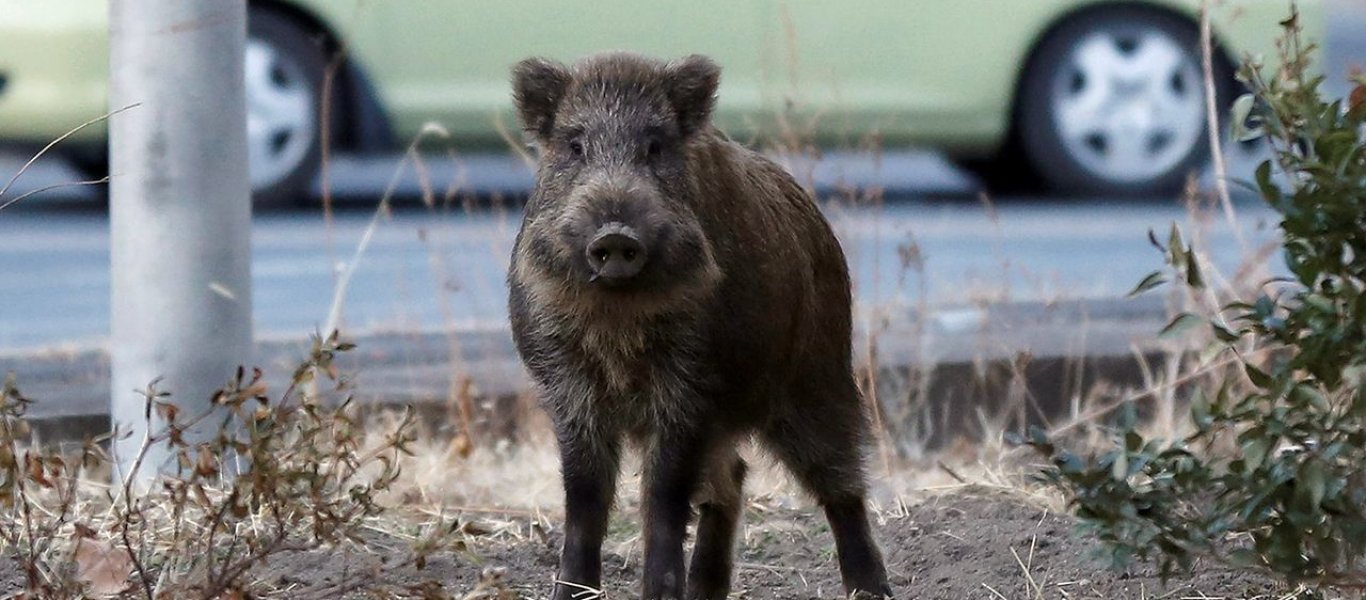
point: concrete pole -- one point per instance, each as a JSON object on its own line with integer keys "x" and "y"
{"x": 180, "y": 212}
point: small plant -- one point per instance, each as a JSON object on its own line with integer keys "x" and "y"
{"x": 280, "y": 476}
{"x": 30, "y": 483}
{"x": 1272, "y": 477}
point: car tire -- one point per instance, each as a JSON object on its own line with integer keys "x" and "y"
{"x": 285, "y": 66}
{"x": 1112, "y": 103}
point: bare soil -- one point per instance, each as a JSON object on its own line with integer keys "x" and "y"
{"x": 950, "y": 548}
{"x": 955, "y": 547}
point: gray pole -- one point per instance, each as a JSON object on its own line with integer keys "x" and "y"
{"x": 180, "y": 211}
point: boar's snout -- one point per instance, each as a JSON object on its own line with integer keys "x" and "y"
{"x": 616, "y": 254}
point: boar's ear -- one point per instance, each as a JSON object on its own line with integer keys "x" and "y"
{"x": 538, "y": 85}
{"x": 692, "y": 82}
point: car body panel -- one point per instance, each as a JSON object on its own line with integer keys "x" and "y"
{"x": 936, "y": 72}
{"x": 459, "y": 75}
{"x": 54, "y": 56}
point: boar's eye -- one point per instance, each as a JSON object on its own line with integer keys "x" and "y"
{"x": 576, "y": 148}
{"x": 653, "y": 148}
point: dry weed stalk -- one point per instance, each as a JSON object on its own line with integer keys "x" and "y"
{"x": 50, "y": 145}
{"x": 285, "y": 475}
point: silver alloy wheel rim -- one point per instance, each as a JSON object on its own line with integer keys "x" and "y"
{"x": 280, "y": 114}
{"x": 1128, "y": 105}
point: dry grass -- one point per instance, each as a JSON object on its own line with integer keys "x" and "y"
{"x": 280, "y": 474}
{"x": 472, "y": 474}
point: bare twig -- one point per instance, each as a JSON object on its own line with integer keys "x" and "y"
{"x": 1090, "y": 416}
{"x": 1212, "y": 125}
{"x": 53, "y": 143}
{"x": 55, "y": 186}
{"x": 381, "y": 210}
{"x": 125, "y": 492}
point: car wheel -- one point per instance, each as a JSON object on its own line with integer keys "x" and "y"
{"x": 1113, "y": 103}
{"x": 284, "y": 71}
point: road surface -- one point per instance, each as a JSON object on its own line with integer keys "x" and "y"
{"x": 430, "y": 269}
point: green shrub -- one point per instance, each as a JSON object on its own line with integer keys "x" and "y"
{"x": 1272, "y": 477}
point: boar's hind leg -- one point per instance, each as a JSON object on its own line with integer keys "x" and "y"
{"x": 589, "y": 467}
{"x": 822, "y": 444}
{"x": 860, "y": 562}
{"x": 673, "y": 466}
{"x": 710, "y": 570}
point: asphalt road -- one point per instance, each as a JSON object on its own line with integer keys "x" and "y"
{"x": 429, "y": 269}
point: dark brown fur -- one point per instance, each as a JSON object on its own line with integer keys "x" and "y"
{"x": 738, "y": 326}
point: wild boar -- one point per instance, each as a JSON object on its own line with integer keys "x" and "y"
{"x": 673, "y": 289}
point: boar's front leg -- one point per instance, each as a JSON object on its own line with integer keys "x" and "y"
{"x": 673, "y": 466}
{"x": 588, "y": 462}
{"x": 719, "y": 517}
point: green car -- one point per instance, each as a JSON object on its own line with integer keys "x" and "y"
{"x": 1091, "y": 96}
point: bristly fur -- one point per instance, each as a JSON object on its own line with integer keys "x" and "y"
{"x": 738, "y": 326}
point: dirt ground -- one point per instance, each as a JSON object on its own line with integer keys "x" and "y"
{"x": 953, "y": 547}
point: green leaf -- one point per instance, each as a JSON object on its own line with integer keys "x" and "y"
{"x": 1153, "y": 280}
{"x": 1037, "y": 435}
{"x": 1200, "y": 413}
{"x": 1263, "y": 307}
{"x": 1239, "y": 116}
{"x": 1314, "y": 481}
{"x": 1069, "y": 464}
{"x": 1270, "y": 193}
{"x": 1307, "y": 394}
{"x": 1258, "y": 377}
{"x": 1359, "y": 403}
{"x": 1119, "y": 469}
{"x": 1126, "y": 416}
{"x": 1255, "y": 450}
{"x": 1319, "y": 302}
{"x": 1193, "y": 277}
{"x": 1223, "y": 333}
{"x": 1176, "y": 255}
{"x": 1181, "y": 324}
{"x": 1133, "y": 441}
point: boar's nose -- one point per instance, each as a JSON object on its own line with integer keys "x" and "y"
{"x": 616, "y": 253}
